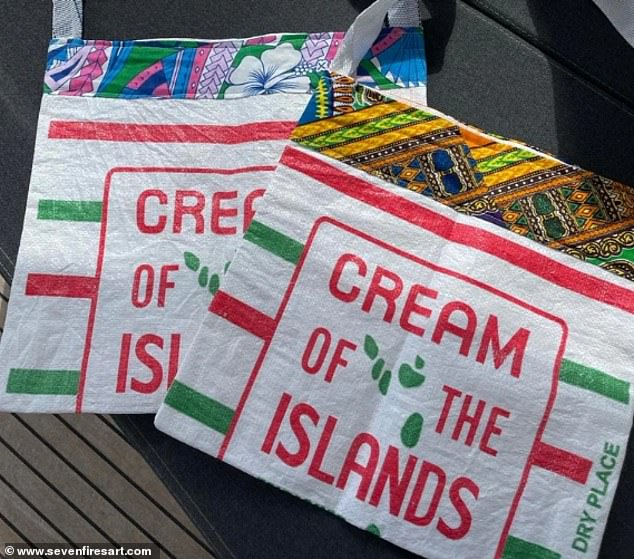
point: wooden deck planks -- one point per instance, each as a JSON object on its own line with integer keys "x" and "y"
{"x": 26, "y": 486}
{"x": 32, "y": 525}
{"x": 111, "y": 446}
{"x": 71, "y": 485}
{"x": 76, "y": 479}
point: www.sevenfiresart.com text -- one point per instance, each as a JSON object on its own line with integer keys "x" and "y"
{"x": 80, "y": 550}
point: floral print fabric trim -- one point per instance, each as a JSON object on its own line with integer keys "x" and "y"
{"x": 504, "y": 182}
{"x": 282, "y": 63}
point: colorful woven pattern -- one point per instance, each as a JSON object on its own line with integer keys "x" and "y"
{"x": 504, "y": 182}
{"x": 289, "y": 63}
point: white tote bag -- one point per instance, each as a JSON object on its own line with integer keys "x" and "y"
{"x": 149, "y": 162}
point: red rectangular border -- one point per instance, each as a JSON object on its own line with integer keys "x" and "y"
{"x": 535, "y": 456}
{"x": 541, "y": 265}
{"x": 102, "y": 246}
{"x": 100, "y": 130}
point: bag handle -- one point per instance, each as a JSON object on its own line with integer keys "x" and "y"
{"x": 366, "y": 28}
{"x": 404, "y": 13}
{"x": 68, "y": 16}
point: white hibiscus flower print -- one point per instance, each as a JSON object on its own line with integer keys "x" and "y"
{"x": 273, "y": 72}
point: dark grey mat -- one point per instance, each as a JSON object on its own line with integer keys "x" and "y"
{"x": 554, "y": 74}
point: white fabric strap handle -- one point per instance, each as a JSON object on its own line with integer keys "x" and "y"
{"x": 366, "y": 28}
{"x": 404, "y": 13}
{"x": 67, "y": 18}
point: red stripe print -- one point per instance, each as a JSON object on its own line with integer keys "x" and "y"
{"x": 519, "y": 255}
{"x": 242, "y": 315}
{"x": 50, "y": 285}
{"x": 561, "y": 462}
{"x": 170, "y": 133}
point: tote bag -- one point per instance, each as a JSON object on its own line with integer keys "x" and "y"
{"x": 432, "y": 340}
{"x": 150, "y": 160}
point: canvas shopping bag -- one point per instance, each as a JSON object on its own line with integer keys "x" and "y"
{"x": 452, "y": 384}
{"x": 151, "y": 157}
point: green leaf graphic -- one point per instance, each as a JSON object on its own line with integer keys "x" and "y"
{"x": 384, "y": 383}
{"x": 420, "y": 362}
{"x": 374, "y": 529}
{"x": 378, "y": 369}
{"x": 203, "y": 277}
{"x": 370, "y": 347}
{"x": 408, "y": 377}
{"x": 226, "y": 267}
{"x": 192, "y": 261}
{"x": 214, "y": 283}
{"x": 411, "y": 430}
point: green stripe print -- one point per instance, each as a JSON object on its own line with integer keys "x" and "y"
{"x": 375, "y": 74}
{"x": 521, "y": 549}
{"x": 507, "y": 159}
{"x": 203, "y": 409}
{"x": 62, "y": 210}
{"x": 42, "y": 381}
{"x": 626, "y": 254}
{"x": 274, "y": 242}
{"x": 362, "y": 129}
{"x": 595, "y": 381}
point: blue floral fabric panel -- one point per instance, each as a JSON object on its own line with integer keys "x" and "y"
{"x": 280, "y": 63}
